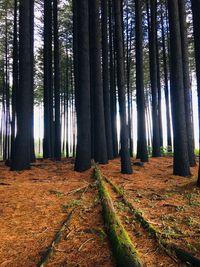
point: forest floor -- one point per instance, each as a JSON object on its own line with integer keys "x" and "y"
{"x": 35, "y": 203}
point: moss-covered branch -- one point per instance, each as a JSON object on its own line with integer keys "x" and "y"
{"x": 124, "y": 250}
{"x": 169, "y": 247}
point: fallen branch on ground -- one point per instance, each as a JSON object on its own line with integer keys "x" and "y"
{"x": 50, "y": 251}
{"x": 124, "y": 250}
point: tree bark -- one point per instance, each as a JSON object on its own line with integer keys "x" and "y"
{"x": 125, "y": 155}
{"x": 181, "y": 159}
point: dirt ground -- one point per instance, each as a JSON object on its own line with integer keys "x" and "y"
{"x": 35, "y": 203}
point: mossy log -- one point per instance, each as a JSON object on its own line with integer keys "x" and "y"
{"x": 123, "y": 249}
{"x": 171, "y": 248}
{"x": 51, "y": 249}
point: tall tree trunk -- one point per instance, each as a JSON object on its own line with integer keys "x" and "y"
{"x": 112, "y": 85}
{"x": 106, "y": 89}
{"x": 142, "y": 136}
{"x": 15, "y": 76}
{"x": 48, "y": 86}
{"x": 181, "y": 159}
{"x": 83, "y": 152}
{"x": 125, "y": 155}
{"x": 57, "y": 137}
{"x": 21, "y": 156}
{"x": 196, "y": 23}
{"x": 187, "y": 85}
{"x": 32, "y": 146}
{"x": 166, "y": 87}
{"x": 154, "y": 82}
{"x": 100, "y": 146}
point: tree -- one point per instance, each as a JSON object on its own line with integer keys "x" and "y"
{"x": 186, "y": 83}
{"x": 48, "y": 82}
{"x": 99, "y": 138}
{"x": 113, "y": 97}
{"x": 57, "y": 138}
{"x": 166, "y": 86}
{"x": 154, "y": 81}
{"x": 105, "y": 68}
{"x": 142, "y": 138}
{"x": 124, "y": 152}
{"x": 21, "y": 155}
{"x": 196, "y": 23}
{"x": 181, "y": 159}
{"x": 83, "y": 152}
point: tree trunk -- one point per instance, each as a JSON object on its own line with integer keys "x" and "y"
{"x": 106, "y": 89}
{"x": 21, "y": 156}
{"x": 142, "y": 136}
{"x": 186, "y": 82}
{"x": 181, "y": 159}
{"x": 196, "y": 23}
{"x": 48, "y": 86}
{"x": 100, "y": 146}
{"x": 83, "y": 150}
{"x": 57, "y": 139}
{"x": 125, "y": 155}
{"x": 154, "y": 82}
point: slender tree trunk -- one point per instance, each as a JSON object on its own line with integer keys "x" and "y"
{"x": 196, "y": 23}
{"x": 166, "y": 87}
{"x": 142, "y": 136}
{"x": 57, "y": 140}
{"x": 112, "y": 85}
{"x": 106, "y": 89}
{"x": 125, "y": 155}
{"x": 15, "y": 77}
{"x": 83, "y": 152}
{"x": 48, "y": 86}
{"x": 187, "y": 85}
{"x": 154, "y": 82}
{"x": 32, "y": 146}
{"x": 181, "y": 159}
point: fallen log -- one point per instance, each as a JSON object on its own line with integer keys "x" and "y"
{"x": 125, "y": 253}
{"x": 168, "y": 247}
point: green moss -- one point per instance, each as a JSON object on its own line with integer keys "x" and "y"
{"x": 125, "y": 252}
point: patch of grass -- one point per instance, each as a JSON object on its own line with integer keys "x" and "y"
{"x": 71, "y": 204}
{"x": 189, "y": 221}
{"x": 57, "y": 193}
{"x": 191, "y": 200}
{"x": 180, "y": 208}
{"x": 120, "y": 206}
{"x": 168, "y": 218}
